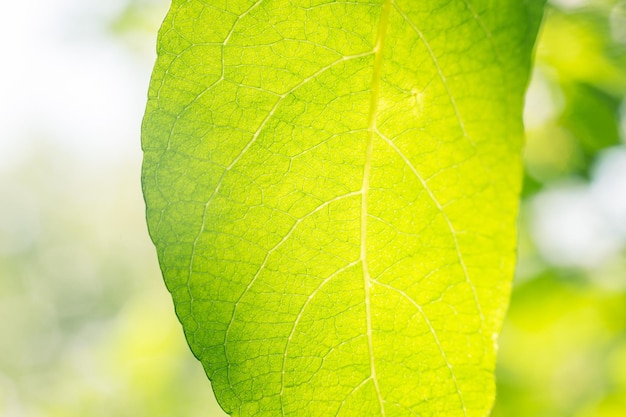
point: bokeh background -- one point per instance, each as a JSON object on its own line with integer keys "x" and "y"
{"x": 86, "y": 325}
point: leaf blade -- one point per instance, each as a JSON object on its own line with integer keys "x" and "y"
{"x": 333, "y": 216}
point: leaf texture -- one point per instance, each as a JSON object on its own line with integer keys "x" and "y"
{"x": 332, "y": 189}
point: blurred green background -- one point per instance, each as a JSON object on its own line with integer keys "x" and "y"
{"x": 87, "y": 326}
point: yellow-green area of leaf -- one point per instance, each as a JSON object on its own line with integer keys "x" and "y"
{"x": 332, "y": 189}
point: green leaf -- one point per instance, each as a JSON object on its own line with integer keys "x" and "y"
{"x": 332, "y": 189}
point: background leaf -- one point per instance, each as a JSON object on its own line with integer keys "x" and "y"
{"x": 332, "y": 190}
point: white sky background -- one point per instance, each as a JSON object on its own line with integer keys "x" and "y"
{"x": 65, "y": 79}
{"x": 580, "y": 225}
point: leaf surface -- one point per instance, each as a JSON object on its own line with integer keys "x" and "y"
{"x": 332, "y": 188}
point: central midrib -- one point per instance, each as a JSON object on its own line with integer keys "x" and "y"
{"x": 374, "y": 101}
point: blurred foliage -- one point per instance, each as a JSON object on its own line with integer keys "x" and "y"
{"x": 88, "y": 327}
{"x": 563, "y": 347}
{"x": 580, "y": 79}
{"x": 137, "y": 23}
